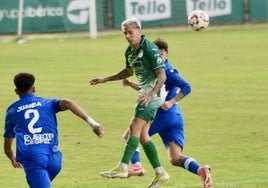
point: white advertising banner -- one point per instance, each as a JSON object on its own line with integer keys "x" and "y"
{"x": 148, "y": 10}
{"x": 211, "y": 7}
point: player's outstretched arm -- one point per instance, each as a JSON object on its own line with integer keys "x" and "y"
{"x": 125, "y": 73}
{"x": 66, "y": 104}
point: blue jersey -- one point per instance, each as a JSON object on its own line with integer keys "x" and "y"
{"x": 174, "y": 82}
{"x": 32, "y": 121}
{"x": 169, "y": 123}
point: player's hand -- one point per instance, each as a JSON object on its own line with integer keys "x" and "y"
{"x": 99, "y": 131}
{"x": 167, "y": 105}
{"x": 144, "y": 99}
{"x": 125, "y": 136}
{"x": 16, "y": 164}
{"x": 96, "y": 81}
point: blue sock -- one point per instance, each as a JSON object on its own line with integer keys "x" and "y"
{"x": 190, "y": 164}
{"x": 135, "y": 157}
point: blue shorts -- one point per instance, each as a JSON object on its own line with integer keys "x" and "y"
{"x": 41, "y": 169}
{"x": 170, "y": 128}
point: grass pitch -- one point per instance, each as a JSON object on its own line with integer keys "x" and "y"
{"x": 225, "y": 115}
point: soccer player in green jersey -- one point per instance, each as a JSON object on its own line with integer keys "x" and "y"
{"x": 144, "y": 59}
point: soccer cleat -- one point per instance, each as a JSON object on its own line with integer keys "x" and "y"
{"x": 115, "y": 173}
{"x": 205, "y": 176}
{"x": 158, "y": 180}
{"x": 136, "y": 170}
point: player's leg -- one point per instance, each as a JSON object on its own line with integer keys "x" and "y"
{"x": 173, "y": 139}
{"x": 121, "y": 171}
{"x": 136, "y": 127}
{"x": 177, "y": 159}
{"x": 36, "y": 171}
{"x": 189, "y": 164}
{"x": 136, "y": 168}
{"x": 38, "y": 178}
{"x": 161, "y": 176}
{"x": 55, "y": 164}
{"x": 204, "y": 172}
{"x": 141, "y": 124}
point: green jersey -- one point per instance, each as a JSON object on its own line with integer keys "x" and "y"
{"x": 144, "y": 61}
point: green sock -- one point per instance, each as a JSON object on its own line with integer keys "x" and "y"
{"x": 132, "y": 144}
{"x": 151, "y": 153}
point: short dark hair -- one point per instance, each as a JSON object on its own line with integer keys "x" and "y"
{"x": 24, "y": 81}
{"x": 161, "y": 44}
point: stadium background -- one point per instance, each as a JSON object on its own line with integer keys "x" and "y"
{"x": 45, "y": 16}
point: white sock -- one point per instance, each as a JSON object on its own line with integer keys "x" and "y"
{"x": 159, "y": 170}
{"x": 123, "y": 166}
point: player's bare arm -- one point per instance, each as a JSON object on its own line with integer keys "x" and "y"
{"x": 168, "y": 104}
{"x": 125, "y": 73}
{"x": 10, "y": 154}
{"x": 133, "y": 85}
{"x": 80, "y": 112}
{"x": 178, "y": 97}
{"x": 161, "y": 78}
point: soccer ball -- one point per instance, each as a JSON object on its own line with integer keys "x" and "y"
{"x": 198, "y": 20}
